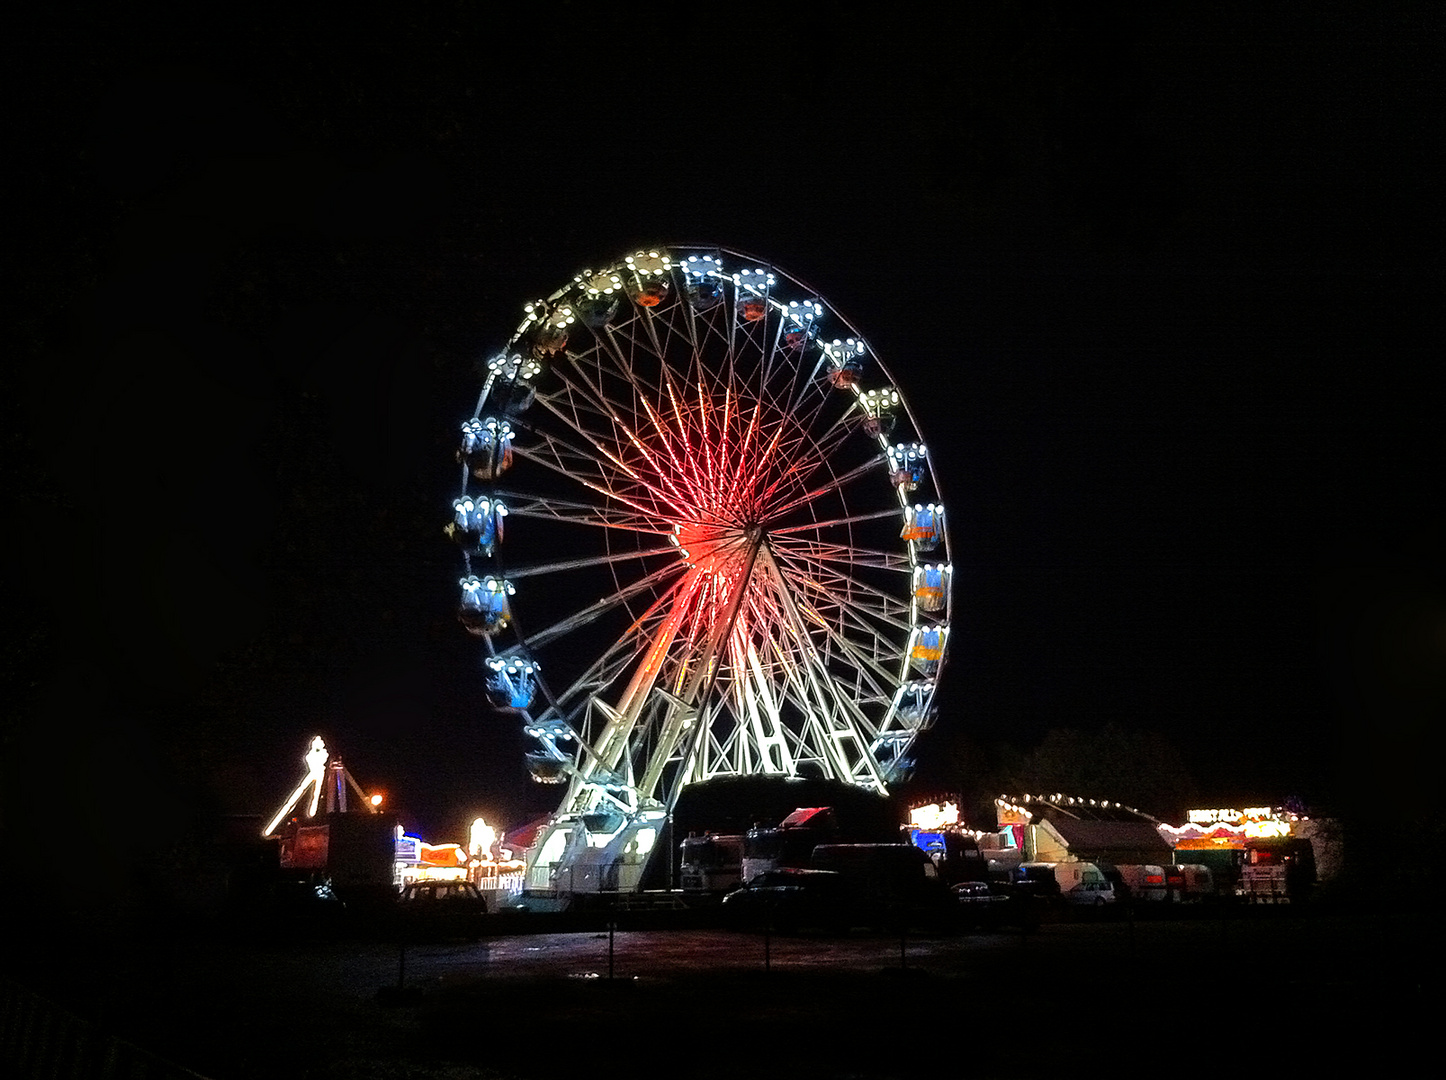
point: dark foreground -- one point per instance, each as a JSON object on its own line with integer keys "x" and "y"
{"x": 1281, "y": 990}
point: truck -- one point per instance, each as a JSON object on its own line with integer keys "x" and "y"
{"x": 790, "y": 844}
{"x": 1277, "y": 872}
{"x": 710, "y": 864}
{"x": 954, "y": 853}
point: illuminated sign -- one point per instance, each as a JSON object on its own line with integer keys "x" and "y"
{"x": 1230, "y": 817}
{"x": 1229, "y": 827}
{"x": 1264, "y": 829}
{"x": 934, "y": 816}
{"x": 1008, "y": 813}
{"x": 442, "y": 854}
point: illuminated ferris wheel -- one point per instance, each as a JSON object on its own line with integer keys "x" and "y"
{"x": 724, "y": 548}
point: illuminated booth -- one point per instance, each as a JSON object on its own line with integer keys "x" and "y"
{"x": 1263, "y": 854}
{"x": 482, "y": 861}
{"x": 1064, "y": 828}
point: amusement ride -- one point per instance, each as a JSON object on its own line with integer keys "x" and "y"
{"x": 725, "y": 552}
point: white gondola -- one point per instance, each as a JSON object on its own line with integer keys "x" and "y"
{"x": 915, "y": 702}
{"x": 550, "y": 763}
{"x": 547, "y": 328}
{"x": 598, "y": 297}
{"x": 703, "y": 281}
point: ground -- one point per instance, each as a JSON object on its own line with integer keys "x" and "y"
{"x": 710, "y": 1003}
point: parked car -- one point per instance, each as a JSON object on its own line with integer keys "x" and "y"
{"x": 790, "y": 899}
{"x": 982, "y": 903}
{"x": 440, "y": 909}
{"x": 1084, "y": 885}
{"x": 1036, "y": 881}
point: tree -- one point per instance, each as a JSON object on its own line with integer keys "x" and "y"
{"x": 1138, "y": 769}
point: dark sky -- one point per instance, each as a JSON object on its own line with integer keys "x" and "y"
{"x": 1163, "y": 289}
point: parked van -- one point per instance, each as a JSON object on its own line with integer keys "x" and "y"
{"x": 1197, "y": 883}
{"x": 1145, "y": 882}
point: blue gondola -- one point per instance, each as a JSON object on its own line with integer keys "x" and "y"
{"x": 486, "y": 447}
{"x": 926, "y": 648}
{"x": 484, "y": 609}
{"x": 476, "y": 523}
{"x": 924, "y": 526}
{"x": 801, "y": 322}
{"x": 511, "y": 682}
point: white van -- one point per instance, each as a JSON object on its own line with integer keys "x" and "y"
{"x": 1081, "y": 883}
{"x": 1198, "y": 883}
{"x": 1146, "y": 882}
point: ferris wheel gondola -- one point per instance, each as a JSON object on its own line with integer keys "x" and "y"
{"x": 722, "y": 496}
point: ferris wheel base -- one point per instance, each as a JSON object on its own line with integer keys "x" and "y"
{"x": 569, "y": 858}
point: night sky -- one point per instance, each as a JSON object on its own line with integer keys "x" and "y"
{"x": 1163, "y": 290}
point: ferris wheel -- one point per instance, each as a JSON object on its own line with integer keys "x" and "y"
{"x": 724, "y": 548}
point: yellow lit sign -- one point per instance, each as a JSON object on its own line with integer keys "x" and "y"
{"x": 1265, "y": 829}
{"x": 1230, "y": 817}
{"x": 934, "y": 816}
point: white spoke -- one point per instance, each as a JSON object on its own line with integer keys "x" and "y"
{"x": 593, "y": 611}
{"x": 815, "y": 526}
{"x": 517, "y": 573}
